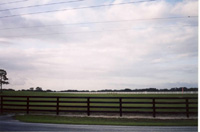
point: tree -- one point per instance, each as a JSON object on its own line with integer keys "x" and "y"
{"x": 38, "y": 89}
{"x": 3, "y": 78}
{"x": 31, "y": 89}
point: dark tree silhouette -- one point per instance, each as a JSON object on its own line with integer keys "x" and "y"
{"x": 39, "y": 89}
{"x": 3, "y": 78}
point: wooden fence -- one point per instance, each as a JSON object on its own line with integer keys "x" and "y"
{"x": 88, "y": 105}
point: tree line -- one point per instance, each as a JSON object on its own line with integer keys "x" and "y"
{"x": 151, "y": 90}
{"x": 39, "y": 89}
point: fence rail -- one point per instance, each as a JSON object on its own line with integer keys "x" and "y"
{"x": 88, "y": 105}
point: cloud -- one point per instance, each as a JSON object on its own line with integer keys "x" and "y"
{"x": 134, "y": 54}
{"x": 185, "y": 6}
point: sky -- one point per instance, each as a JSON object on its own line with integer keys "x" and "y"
{"x": 141, "y": 44}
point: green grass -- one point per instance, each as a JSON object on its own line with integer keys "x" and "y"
{"x": 105, "y": 121}
{"x": 28, "y": 93}
{"x": 101, "y": 121}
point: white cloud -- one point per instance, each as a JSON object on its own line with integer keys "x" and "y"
{"x": 186, "y": 8}
{"x": 142, "y": 56}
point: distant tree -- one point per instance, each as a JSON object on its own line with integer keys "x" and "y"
{"x": 38, "y": 89}
{"x": 3, "y": 78}
{"x": 10, "y": 89}
{"x": 48, "y": 90}
{"x": 31, "y": 89}
{"x": 127, "y": 90}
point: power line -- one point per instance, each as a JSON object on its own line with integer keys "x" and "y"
{"x": 130, "y": 29}
{"x": 13, "y": 2}
{"x": 77, "y": 8}
{"x": 161, "y": 18}
{"x": 23, "y": 7}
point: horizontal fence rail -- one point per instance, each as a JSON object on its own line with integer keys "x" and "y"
{"x": 88, "y": 105}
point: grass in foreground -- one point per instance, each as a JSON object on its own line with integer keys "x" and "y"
{"x": 106, "y": 121}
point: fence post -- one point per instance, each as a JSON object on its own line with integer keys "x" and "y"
{"x": 88, "y": 106}
{"x": 27, "y": 105}
{"x": 154, "y": 108}
{"x": 1, "y": 104}
{"x": 57, "y": 106}
{"x": 187, "y": 107}
{"x": 120, "y": 106}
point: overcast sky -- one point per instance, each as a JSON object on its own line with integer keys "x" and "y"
{"x": 136, "y": 50}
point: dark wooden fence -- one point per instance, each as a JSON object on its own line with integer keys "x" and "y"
{"x": 117, "y": 105}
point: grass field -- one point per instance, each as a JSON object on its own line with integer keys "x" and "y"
{"x": 25, "y": 93}
{"x": 104, "y": 121}
{"x": 29, "y": 93}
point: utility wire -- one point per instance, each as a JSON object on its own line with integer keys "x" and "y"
{"x": 12, "y": 2}
{"x": 161, "y": 18}
{"x": 23, "y": 7}
{"x": 77, "y": 8}
{"x": 129, "y": 29}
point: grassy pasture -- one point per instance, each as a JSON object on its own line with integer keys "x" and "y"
{"x": 29, "y": 93}
{"x": 25, "y": 93}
